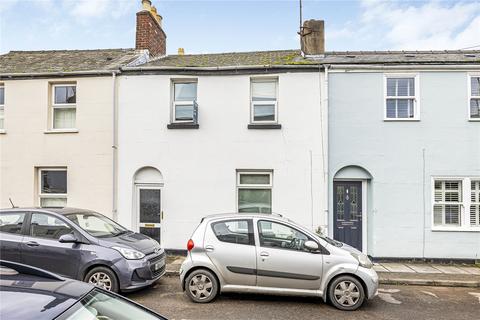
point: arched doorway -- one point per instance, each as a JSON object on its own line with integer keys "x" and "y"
{"x": 350, "y": 206}
{"x": 148, "y": 183}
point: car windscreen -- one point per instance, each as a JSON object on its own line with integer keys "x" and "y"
{"x": 98, "y": 304}
{"x": 96, "y": 224}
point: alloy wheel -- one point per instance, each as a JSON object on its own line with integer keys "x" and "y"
{"x": 200, "y": 286}
{"x": 102, "y": 280}
{"x": 346, "y": 293}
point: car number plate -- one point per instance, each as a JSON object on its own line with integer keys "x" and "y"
{"x": 157, "y": 266}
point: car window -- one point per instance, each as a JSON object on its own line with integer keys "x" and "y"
{"x": 101, "y": 305}
{"x": 12, "y": 222}
{"x": 280, "y": 236}
{"x": 46, "y": 226}
{"x": 96, "y": 224}
{"x": 234, "y": 231}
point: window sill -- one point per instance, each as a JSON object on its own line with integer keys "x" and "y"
{"x": 61, "y": 131}
{"x": 264, "y": 126}
{"x": 474, "y": 119}
{"x": 183, "y": 126}
{"x": 456, "y": 229}
{"x": 401, "y": 120}
{"x": 3, "y": 131}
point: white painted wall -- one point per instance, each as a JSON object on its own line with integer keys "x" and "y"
{"x": 199, "y": 166}
{"x": 86, "y": 154}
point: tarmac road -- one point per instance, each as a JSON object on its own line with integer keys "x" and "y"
{"x": 393, "y": 302}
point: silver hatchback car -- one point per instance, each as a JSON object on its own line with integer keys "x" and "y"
{"x": 266, "y": 253}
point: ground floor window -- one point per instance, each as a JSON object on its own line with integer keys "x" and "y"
{"x": 254, "y": 191}
{"x": 456, "y": 202}
{"x": 52, "y": 187}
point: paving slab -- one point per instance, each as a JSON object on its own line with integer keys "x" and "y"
{"x": 379, "y": 268}
{"x": 397, "y": 267}
{"x": 471, "y": 270}
{"x": 423, "y": 268}
{"x": 449, "y": 269}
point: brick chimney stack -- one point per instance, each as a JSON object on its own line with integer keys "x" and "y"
{"x": 149, "y": 34}
{"x": 313, "y": 38}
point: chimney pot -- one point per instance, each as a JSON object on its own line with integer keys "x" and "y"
{"x": 313, "y": 38}
{"x": 181, "y": 51}
{"x": 146, "y": 4}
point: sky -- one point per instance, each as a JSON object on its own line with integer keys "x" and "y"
{"x": 231, "y": 26}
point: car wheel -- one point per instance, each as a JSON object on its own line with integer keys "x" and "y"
{"x": 201, "y": 286}
{"x": 102, "y": 277}
{"x": 346, "y": 293}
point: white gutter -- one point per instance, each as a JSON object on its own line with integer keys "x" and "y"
{"x": 50, "y": 74}
{"x": 456, "y": 67}
{"x": 114, "y": 146}
{"x": 226, "y": 68}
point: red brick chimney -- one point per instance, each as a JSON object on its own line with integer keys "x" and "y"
{"x": 150, "y": 35}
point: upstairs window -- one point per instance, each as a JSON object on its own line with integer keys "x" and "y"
{"x": 401, "y": 101}
{"x": 64, "y": 106}
{"x": 2, "y": 107}
{"x": 53, "y": 187}
{"x": 474, "y": 98}
{"x": 264, "y": 100}
{"x": 184, "y": 105}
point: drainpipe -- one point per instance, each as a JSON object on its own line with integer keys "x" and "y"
{"x": 114, "y": 146}
{"x": 325, "y": 153}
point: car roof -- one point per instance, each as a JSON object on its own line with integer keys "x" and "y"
{"x": 244, "y": 215}
{"x": 31, "y": 293}
{"x": 57, "y": 210}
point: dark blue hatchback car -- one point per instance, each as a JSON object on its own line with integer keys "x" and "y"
{"x": 28, "y": 293}
{"x": 81, "y": 244}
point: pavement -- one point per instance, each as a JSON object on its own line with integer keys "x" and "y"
{"x": 445, "y": 275}
{"x": 392, "y": 303}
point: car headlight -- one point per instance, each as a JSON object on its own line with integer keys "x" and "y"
{"x": 363, "y": 260}
{"x": 130, "y": 254}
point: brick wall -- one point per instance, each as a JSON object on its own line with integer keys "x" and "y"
{"x": 150, "y": 35}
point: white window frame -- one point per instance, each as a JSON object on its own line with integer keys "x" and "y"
{"x": 49, "y": 195}
{"x": 2, "y": 117}
{"x": 470, "y": 96}
{"x": 180, "y": 103}
{"x": 253, "y": 103}
{"x": 55, "y": 106}
{"x": 268, "y": 186}
{"x": 474, "y": 203}
{"x": 416, "y": 99}
{"x": 464, "y": 204}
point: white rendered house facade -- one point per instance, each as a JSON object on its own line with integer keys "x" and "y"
{"x": 196, "y": 144}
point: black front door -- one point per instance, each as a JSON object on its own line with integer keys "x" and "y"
{"x": 347, "y": 209}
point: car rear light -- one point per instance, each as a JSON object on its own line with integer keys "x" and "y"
{"x": 190, "y": 245}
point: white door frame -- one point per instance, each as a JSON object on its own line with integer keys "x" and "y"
{"x": 137, "y": 224}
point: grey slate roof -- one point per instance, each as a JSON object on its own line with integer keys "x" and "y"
{"x": 293, "y": 57}
{"x": 15, "y": 62}
{"x": 81, "y": 61}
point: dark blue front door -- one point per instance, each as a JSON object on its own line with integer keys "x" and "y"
{"x": 347, "y": 209}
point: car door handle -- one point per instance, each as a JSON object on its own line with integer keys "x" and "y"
{"x": 264, "y": 254}
{"x": 209, "y": 248}
{"x": 32, "y": 244}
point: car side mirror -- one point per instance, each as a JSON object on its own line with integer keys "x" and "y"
{"x": 311, "y": 245}
{"x": 68, "y": 238}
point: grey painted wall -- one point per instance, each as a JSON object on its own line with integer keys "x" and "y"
{"x": 399, "y": 220}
